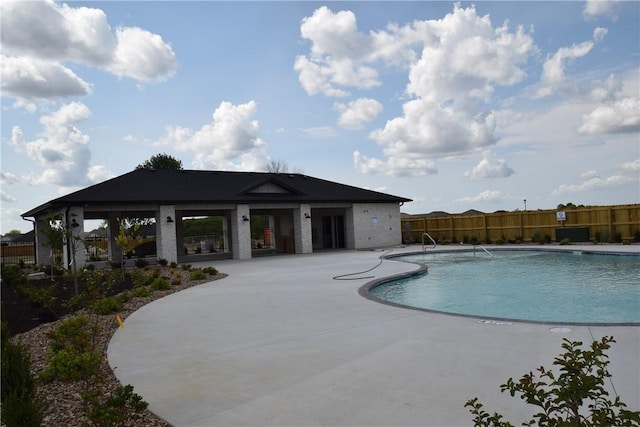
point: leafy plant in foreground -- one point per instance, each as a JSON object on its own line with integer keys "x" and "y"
{"x": 20, "y": 405}
{"x": 562, "y": 397}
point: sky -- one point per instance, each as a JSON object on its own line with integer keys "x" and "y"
{"x": 455, "y": 105}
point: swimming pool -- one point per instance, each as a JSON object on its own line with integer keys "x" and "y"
{"x": 538, "y": 286}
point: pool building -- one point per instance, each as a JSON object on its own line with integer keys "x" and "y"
{"x": 300, "y": 213}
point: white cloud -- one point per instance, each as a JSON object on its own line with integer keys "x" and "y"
{"x": 621, "y": 116}
{"x": 99, "y": 173}
{"x": 31, "y": 78}
{"x": 393, "y": 166}
{"x": 8, "y": 178}
{"x": 485, "y": 196}
{"x": 553, "y": 79}
{"x": 627, "y": 174}
{"x": 337, "y": 54}
{"x": 595, "y": 8}
{"x": 62, "y": 148}
{"x": 230, "y": 142}
{"x": 606, "y": 90}
{"x": 142, "y": 55}
{"x": 490, "y": 167}
{"x": 7, "y": 197}
{"x": 599, "y": 33}
{"x": 355, "y": 114}
{"x": 40, "y": 37}
{"x": 445, "y": 114}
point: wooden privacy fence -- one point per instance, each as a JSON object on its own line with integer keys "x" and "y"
{"x": 604, "y": 224}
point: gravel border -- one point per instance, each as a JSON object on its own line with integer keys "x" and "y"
{"x": 62, "y": 402}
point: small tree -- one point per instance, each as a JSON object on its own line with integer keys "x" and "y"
{"x": 127, "y": 239}
{"x": 279, "y": 166}
{"x": 52, "y": 230}
{"x": 562, "y": 397}
{"x": 161, "y": 161}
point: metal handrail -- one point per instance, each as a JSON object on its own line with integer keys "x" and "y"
{"x": 481, "y": 247}
{"x": 431, "y": 238}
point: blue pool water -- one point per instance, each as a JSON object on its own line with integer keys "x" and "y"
{"x": 540, "y": 286}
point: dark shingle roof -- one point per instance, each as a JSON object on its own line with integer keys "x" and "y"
{"x": 163, "y": 186}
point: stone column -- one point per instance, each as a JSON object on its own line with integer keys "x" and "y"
{"x": 241, "y": 232}
{"x": 166, "y": 237}
{"x": 302, "y": 227}
{"x": 113, "y": 228}
{"x": 75, "y": 227}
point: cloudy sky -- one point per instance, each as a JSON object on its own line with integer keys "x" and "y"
{"x": 455, "y": 105}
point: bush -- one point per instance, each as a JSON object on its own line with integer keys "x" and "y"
{"x": 114, "y": 410}
{"x": 161, "y": 284}
{"x": 186, "y": 267}
{"x": 20, "y": 406}
{"x": 173, "y": 264}
{"x": 197, "y": 274}
{"x": 107, "y": 305}
{"x": 210, "y": 270}
{"x": 563, "y": 397}
{"x": 140, "y": 292}
{"x": 72, "y": 352}
{"x": 500, "y": 241}
{"x": 565, "y": 241}
{"x": 13, "y": 276}
{"x": 163, "y": 262}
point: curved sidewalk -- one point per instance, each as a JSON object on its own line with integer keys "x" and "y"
{"x": 280, "y": 343}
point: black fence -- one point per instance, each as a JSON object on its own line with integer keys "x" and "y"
{"x": 18, "y": 253}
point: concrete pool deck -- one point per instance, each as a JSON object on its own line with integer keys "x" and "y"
{"x": 279, "y": 342}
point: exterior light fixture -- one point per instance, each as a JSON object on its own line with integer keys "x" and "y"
{"x": 245, "y": 218}
{"x": 307, "y": 215}
{"x": 74, "y": 223}
{"x": 169, "y": 219}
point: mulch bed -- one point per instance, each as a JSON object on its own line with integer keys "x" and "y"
{"x": 22, "y": 316}
{"x": 31, "y": 325}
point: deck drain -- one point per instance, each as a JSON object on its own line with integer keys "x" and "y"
{"x": 560, "y": 330}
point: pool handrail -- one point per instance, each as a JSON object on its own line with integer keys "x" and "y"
{"x": 431, "y": 238}
{"x": 481, "y": 247}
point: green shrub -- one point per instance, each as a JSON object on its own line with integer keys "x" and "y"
{"x": 186, "y": 267}
{"x": 13, "y": 276}
{"x": 70, "y": 365}
{"x": 173, "y": 264}
{"x": 72, "y": 352}
{"x": 115, "y": 409}
{"x": 562, "y": 397}
{"x": 163, "y": 262}
{"x": 197, "y": 274}
{"x": 38, "y": 297}
{"x": 500, "y": 241}
{"x": 107, "y": 305}
{"x": 140, "y": 292}
{"x": 141, "y": 278}
{"x": 20, "y": 406}
{"x": 210, "y": 270}
{"x": 161, "y": 284}
{"x": 565, "y": 241}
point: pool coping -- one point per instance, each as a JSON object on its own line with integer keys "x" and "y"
{"x": 365, "y": 290}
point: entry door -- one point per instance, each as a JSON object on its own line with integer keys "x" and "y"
{"x": 333, "y": 232}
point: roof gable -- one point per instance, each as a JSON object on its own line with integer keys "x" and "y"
{"x": 270, "y": 186}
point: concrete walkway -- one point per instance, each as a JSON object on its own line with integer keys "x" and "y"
{"x": 280, "y": 343}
